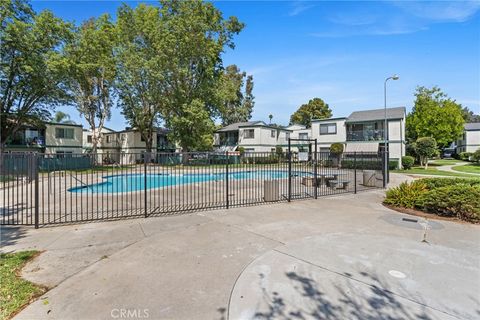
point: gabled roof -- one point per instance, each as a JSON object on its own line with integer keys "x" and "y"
{"x": 377, "y": 114}
{"x": 472, "y": 126}
{"x": 235, "y": 126}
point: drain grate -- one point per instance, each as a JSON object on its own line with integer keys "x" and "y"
{"x": 410, "y": 220}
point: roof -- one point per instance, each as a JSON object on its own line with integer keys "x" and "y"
{"x": 63, "y": 124}
{"x": 377, "y": 114}
{"x": 329, "y": 119}
{"x": 472, "y": 126}
{"x": 235, "y": 126}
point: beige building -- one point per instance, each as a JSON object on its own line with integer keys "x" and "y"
{"x": 52, "y": 138}
{"x": 470, "y": 140}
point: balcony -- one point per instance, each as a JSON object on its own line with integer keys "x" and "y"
{"x": 365, "y": 135}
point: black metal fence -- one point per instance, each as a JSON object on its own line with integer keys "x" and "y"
{"x": 43, "y": 189}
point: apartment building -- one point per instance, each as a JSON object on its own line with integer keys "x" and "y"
{"x": 361, "y": 131}
{"x": 49, "y": 138}
{"x": 470, "y": 140}
{"x": 253, "y": 136}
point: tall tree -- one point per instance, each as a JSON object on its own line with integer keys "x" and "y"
{"x": 92, "y": 73}
{"x": 62, "y": 117}
{"x": 32, "y": 67}
{"x": 140, "y": 80}
{"x": 314, "y": 109}
{"x": 469, "y": 116}
{"x": 196, "y": 36}
{"x": 434, "y": 115}
{"x": 236, "y": 99}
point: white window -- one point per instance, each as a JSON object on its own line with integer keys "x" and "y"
{"x": 328, "y": 128}
{"x": 274, "y": 133}
{"x": 287, "y": 135}
{"x": 249, "y": 133}
{"x": 89, "y": 139}
{"x": 64, "y": 133}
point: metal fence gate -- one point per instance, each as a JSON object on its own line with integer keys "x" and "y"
{"x": 46, "y": 189}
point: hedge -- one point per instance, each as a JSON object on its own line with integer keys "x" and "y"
{"x": 408, "y": 162}
{"x": 442, "y": 196}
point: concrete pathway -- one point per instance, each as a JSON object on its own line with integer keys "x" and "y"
{"x": 448, "y": 168}
{"x": 336, "y": 257}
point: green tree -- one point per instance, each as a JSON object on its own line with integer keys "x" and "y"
{"x": 92, "y": 72}
{"x": 469, "y": 116}
{"x": 32, "y": 68}
{"x": 235, "y": 96}
{"x": 62, "y": 117}
{"x": 426, "y": 147}
{"x": 140, "y": 69}
{"x": 195, "y": 37}
{"x": 435, "y": 115}
{"x": 314, "y": 109}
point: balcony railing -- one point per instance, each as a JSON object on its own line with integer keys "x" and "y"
{"x": 365, "y": 135}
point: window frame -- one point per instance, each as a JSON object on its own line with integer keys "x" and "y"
{"x": 245, "y": 131}
{"x": 64, "y": 133}
{"x": 273, "y": 133}
{"x": 327, "y": 125}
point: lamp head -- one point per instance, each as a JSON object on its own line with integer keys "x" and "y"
{"x": 395, "y": 77}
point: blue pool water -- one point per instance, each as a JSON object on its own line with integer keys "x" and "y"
{"x": 136, "y": 182}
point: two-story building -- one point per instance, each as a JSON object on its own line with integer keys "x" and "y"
{"x": 253, "y": 136}
{"x": 49, "y": 138}
{"x": 470, "y": 140}
{"x": 127, "y": 146}
{"x": 361, "y": 131}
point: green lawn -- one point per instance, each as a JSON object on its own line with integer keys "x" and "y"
{"x": 15, "y": 292}
{"x": 445, "y": 161}
{"x": 471, "y": 168}
{"x": 432, "y": 172}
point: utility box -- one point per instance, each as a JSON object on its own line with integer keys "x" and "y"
{"x": 271, "y": 190}
{"x": 372, "y": 179}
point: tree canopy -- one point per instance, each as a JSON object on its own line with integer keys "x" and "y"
{"x": 235, "y": 96}
{"x": 33, "y": 68}
{"x": 469, "y": 116}
{"x": 314, "y": 109}
{"x": 92, "y": 72}
{"x": 435, "y": 115}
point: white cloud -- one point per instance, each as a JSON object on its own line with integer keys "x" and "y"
{"x": 299, "y": 7}
{"x": 441, "y": 11}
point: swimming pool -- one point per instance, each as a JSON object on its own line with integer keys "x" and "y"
{"x": 136, "y": 182}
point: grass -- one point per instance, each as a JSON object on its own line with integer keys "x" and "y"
{"x": 432, "y": 172}
{"x": 446, "y": 161}
{"x": 15, "y": 292}
{"x": 471, "y": 168}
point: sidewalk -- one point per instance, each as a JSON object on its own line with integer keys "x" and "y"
{"x": 322, "y": 257}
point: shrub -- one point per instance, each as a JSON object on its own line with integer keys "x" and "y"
{"x": 460, "y": 200}
{"x": 441, "y": 196}
{"x": 241, "y": 150}
{"x": 465, "y": 156}
{"x": 433, "y": 183}
{"x": 476, "y": 155}
{"x": 392, "y": 164}
{"x": 405, "y": 195}
{"x": 408, "y": 162}
{"x": 336, "y": 148}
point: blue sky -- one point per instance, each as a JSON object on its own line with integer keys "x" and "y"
{"x": 339, "y": 51}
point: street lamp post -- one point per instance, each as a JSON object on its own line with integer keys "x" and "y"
{"x": 385, "y": 129}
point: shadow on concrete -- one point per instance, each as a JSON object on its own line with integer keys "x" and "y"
{"x": 10, "y": 235}
{"x": 345, "y": 302}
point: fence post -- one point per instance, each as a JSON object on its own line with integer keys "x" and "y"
{"x": 145, "y": 182}
{"x": 315, "y": 182}
{"x": 226, "y": 181}
{"x": 289, "y": 172}
{"x": 34, "y": 162}
{"x": 384, "y": 171}
{"x": 355, "y": 171}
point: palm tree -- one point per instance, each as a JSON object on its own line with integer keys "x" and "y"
{"x": 270, "y": 116}
{"x": 62, "y": 117}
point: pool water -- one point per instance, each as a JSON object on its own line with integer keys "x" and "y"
{"x": 136, "y": 182}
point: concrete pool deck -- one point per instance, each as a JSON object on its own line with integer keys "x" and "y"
{"x": 344, "y": 256}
